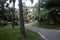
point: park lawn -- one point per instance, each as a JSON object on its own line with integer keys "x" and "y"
{"x": 8, "y": 33}
{"x": 47, "y": 25}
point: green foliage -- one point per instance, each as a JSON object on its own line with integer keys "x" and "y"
{"x": 53, "y": 14}
{"x": 45, "y": 24}
{"x": 3, "y": 23}
{"x": 3, "y": 9}
{"x": 6, "y": 11}
{"x": 52, "y": 3}
{"x": 3, "y": 1}
{"x": 16, "y": 23}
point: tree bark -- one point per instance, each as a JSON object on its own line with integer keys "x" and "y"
{"x": 22, "y": 28}
{"x": 13, "y": 15}
{"x": 39, "y": 16}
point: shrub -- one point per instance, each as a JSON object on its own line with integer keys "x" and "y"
{"x": 4, "y": 23}
{"x": 16, "y": 23}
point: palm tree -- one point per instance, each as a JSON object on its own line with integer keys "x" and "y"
{"x": 13, "y": 18}
{"x": 13, "y": 15}
{"x": 22, "y": 28}
{"x": 39, "y": 16}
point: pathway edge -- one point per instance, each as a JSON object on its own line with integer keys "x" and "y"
{"x": 43, "y": 37}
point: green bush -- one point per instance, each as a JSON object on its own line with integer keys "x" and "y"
{"x": 16, "y": 23}
{"x": 4, "y": 23}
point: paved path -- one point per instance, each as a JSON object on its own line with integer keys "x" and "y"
{"x": 50, "y": 34}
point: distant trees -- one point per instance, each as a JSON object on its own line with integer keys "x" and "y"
{"x": 39, "y": 13}
{"x": 53, "y": 15}
{"x": 4, "y": 10}
{"x": 37, "y": 7}
{"x": 2, "y": 14}
{"x": 25, "y": 11}
{"x": 51, "y": 9}
{"x": 52, "y": 3}
{"x": 13, "y": 15}
{"x": 7, "y": 13}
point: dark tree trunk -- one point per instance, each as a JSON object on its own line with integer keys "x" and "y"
{"x": 39, "y": 16}
{"x": 22, "y": 28}
{"x": 13, "y": 15}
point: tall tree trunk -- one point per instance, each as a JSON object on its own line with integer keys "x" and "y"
{"x": 3, "y": 10}
{"x": 13, "y": 16}
{"x": 22, "y": 28}
{"x": 39, "y": 16}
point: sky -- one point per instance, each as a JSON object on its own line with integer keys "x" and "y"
{"x": 27, "y": 2}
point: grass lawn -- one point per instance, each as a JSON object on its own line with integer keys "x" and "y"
{"x": 8, "y": 33}
{"x": 47, "y": 25}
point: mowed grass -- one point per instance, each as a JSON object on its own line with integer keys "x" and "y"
{"x": 32, "y": 35}
{"x": 8, "y": 33}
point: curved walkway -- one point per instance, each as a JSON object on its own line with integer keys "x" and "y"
{"x": 50, "y": 34}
